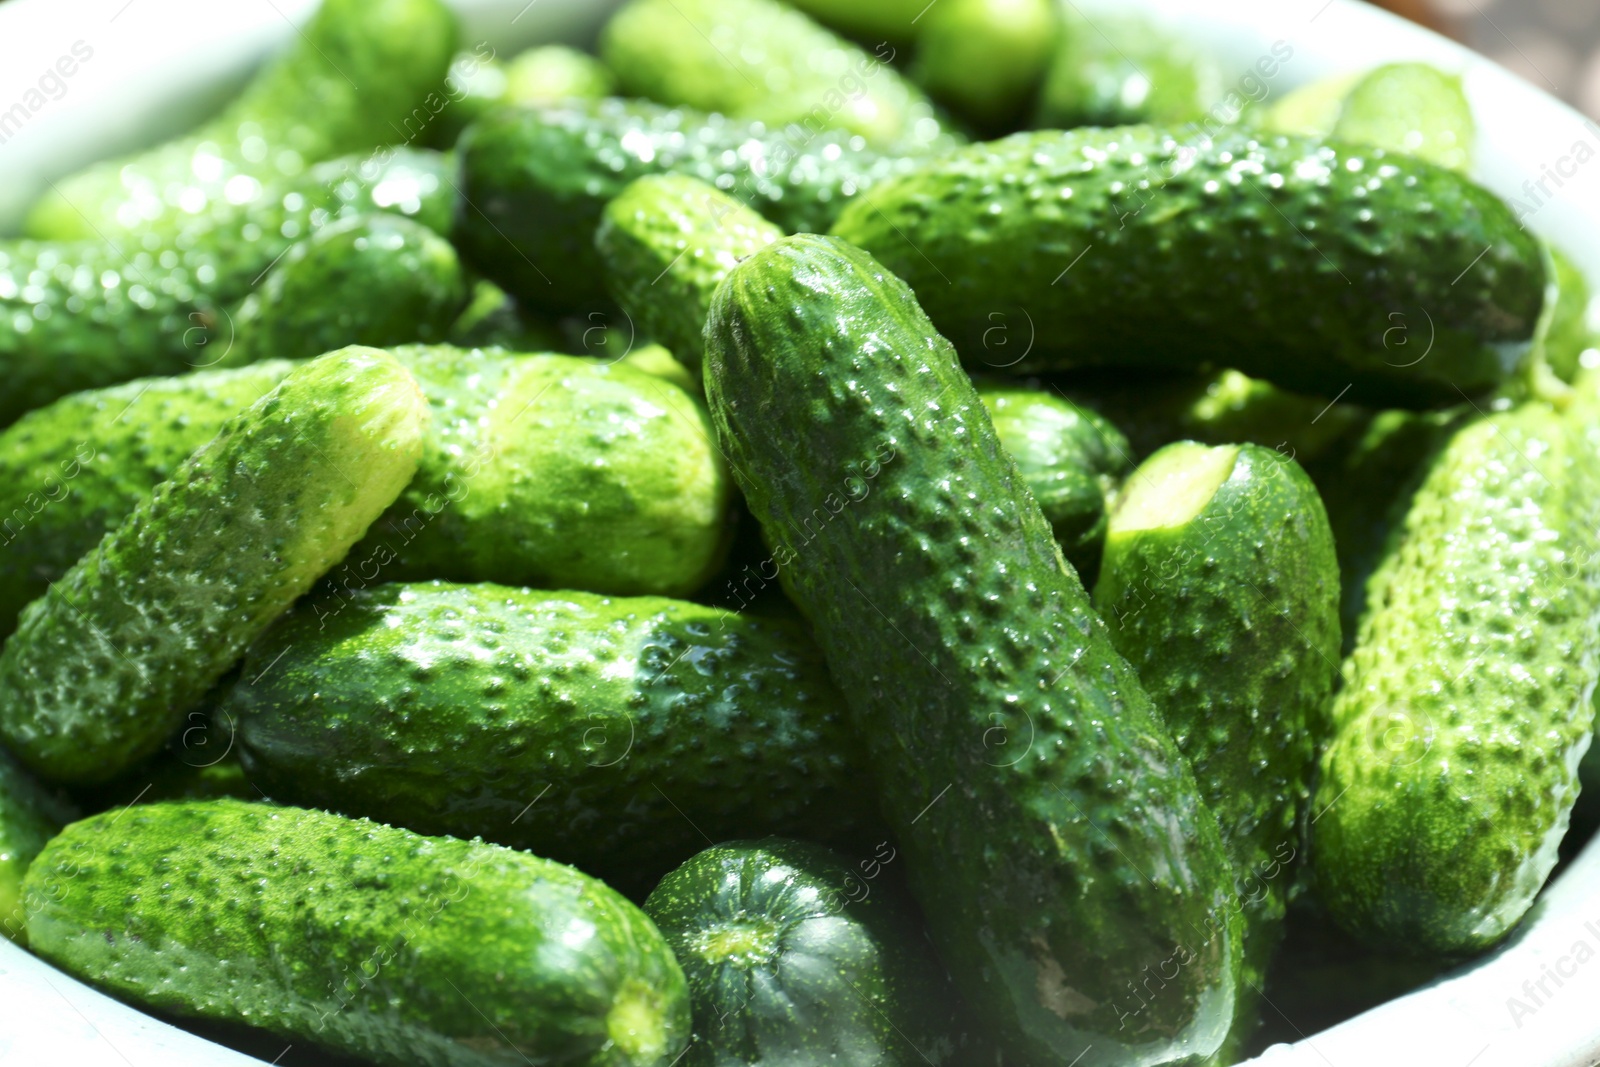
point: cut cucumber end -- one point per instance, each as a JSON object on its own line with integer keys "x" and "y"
{"x": 738, "y": 942}
{"x": 1173, "y": 486}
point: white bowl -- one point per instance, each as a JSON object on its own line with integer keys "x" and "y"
{"x": 159, "y": 65}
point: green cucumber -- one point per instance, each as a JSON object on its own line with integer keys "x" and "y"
{"x": 795, "y": 955}
{"x": 666, "y": 241}
{"x": 366, "y": 280}
{"x": 556, "y": 72}
{"x": 1465, "y": 706}
{"x": 1570, "y": 334}
{"x": 763, "y": 60}
{"x": 1319, "y": 268}
{"x": 1053, "y": 833}
{"x": 612, "y": 734}
{"x": 84, "y": 314}
{"x": 1413, "y": 108}
{"x": 347, "y": 84}
{"x": 1118, "y": 68}
{"x": 102, "y": 667}
{"x": 536, "y": 181}
{"x": 1221, "y": 587}
{"x": 30, "y": 816}
{"x": 985, "y": 59}
{"x": 492, "y": 319}
{"x": 881, "y": 20}
{"x": 357, "y": 937}
{"x": 1072, "y": 459}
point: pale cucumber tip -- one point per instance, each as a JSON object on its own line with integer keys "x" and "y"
{"x": 1173, "y": 486}
{"x": 637, "y": 1024}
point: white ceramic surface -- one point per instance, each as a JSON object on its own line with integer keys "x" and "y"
{"x": 158, "y": 65}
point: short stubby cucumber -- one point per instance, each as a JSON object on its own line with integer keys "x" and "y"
{"x": 667, "y": 241}
{"x": 985, "y": 59}
{"x": 1121, "y": 67}
{"x": 1054, "y": 834}
{"x": 1072, "y": 459}
{"x": 366, "y": 280}
{"x": 762, "y": 59}
{"x": 1413, "y": 108}
{"x": 348, "y": 83}
{"x": 794, "y": 954}
{"x": 84, "y": 314}
{"x": 535, "y": 182}
{"x": 1323, "y": 269}
{"x": 606, "y": 733}
{"x": 30, "y": 815}
{"x": 1221, "y": 587}
{"x": 1465, "y": 706}
{"x": 103, "y": 666}
{"x": 363, "y": 939}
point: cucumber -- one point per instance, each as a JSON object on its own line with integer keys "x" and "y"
{"x": 30, "y": 816}
{"x": 879, "y": 21}
{"x": 985, "y": 59}
{"x": 1119, "y": 68}
{"x": 349, "y": 82}
{"x": 763, "y": 60}
{"x": 666, "y": 241}
{"x": 1465, "y": 706}
{"x": 1221, "y": 587}
{"x": 794, "y": 955}
{"x": 1311, "y": 266}
{"x": 537, "y": 180}
{"x": 1570, "y": 334}
{"x": 974, "y": 667}
{"x": 612, "y": 734}
{"x": 657, "y": 361}
{"x": 492, "y": 319}
{"x": 1413, "y": 108}
{"x": 357, "y": 937}
{"x": 83, "y": 314}
{"x": 1072, "y": 460}
{"x": 366, "y": 280}
{"x": 102, "y": 668}
{"x": 556, "y": 72}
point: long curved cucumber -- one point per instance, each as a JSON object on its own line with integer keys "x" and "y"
{"x": 361, "y": 938}
{"x": 1321, "y": 268}
{"x": 1053, "y": 833}
{"x": 103, "y": 666}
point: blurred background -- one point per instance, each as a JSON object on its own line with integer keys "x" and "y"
{"x": 1555, "y": 44}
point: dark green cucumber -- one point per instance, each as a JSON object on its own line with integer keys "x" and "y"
{"x": 83, "y": 314}
{"x": 348, "y": 83}
{"x": 1072, "y": 459}
{"x": 666, "y": 241}
{"x": 985, "y": 59}
{"x": 535, "y": 183}
{"x": 30, "y": 816}
{"x": 360, "y": 938}
{"x": 1116, "y": 68}
{"x": 1465, "y": 706}
{"x": 102, "y": 667}
{"x": 763, "y": 60}
{"x": 1221, "y": 587}
{"x": 492, "y": 319}
{"x": 1323, "y": 269}
{"x": 794, "y": 954}
{"x": 1054, "y": 835}
{"x": 611, "y": 734}
{"x": 366, "y": 280}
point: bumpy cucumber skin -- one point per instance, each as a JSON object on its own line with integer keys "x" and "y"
{"x": 1232, "y": 621}
{"x": 667, "y": 241}
{"x": 606, "y": 733}
{"x": 763, "y": 60}
{"x": 70, "y": 472}
{"x": 1073, "y": 854}
{"x": 985, "y": 59}
{"x": 535, "y": 183}
{"x": 348, "y": 83}
{"x": 834, "y": 968}
{"x": 1072, "y": 460}
{"x": 1466, "y": 706}
{"x": 1315, "y": 267}
{"x": 101, "y": 669}
{"x": 1122, "y": 68}
{"x": 82, "y": 314}
{"x": 362, "y": 938}
{"x": 555, "y": 471}
{"x": 366, "y": 280}
{"x": 30, "y": 816}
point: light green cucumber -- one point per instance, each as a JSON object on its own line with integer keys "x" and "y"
{"x": 556, "y": 72}
{"x": 985, "y": 59}
{"x": 1117, "y": 68}
{"x": 1412, "y": 107}
{"x": 349, "y": 82}
{"x": 1570, "y": 333}
{"x": 666, "y": 241}
{"x": 102, "y": 667}
{"x": 360, "y": 938}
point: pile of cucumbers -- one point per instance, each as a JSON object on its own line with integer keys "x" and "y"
{"x": 818, "y": 533}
